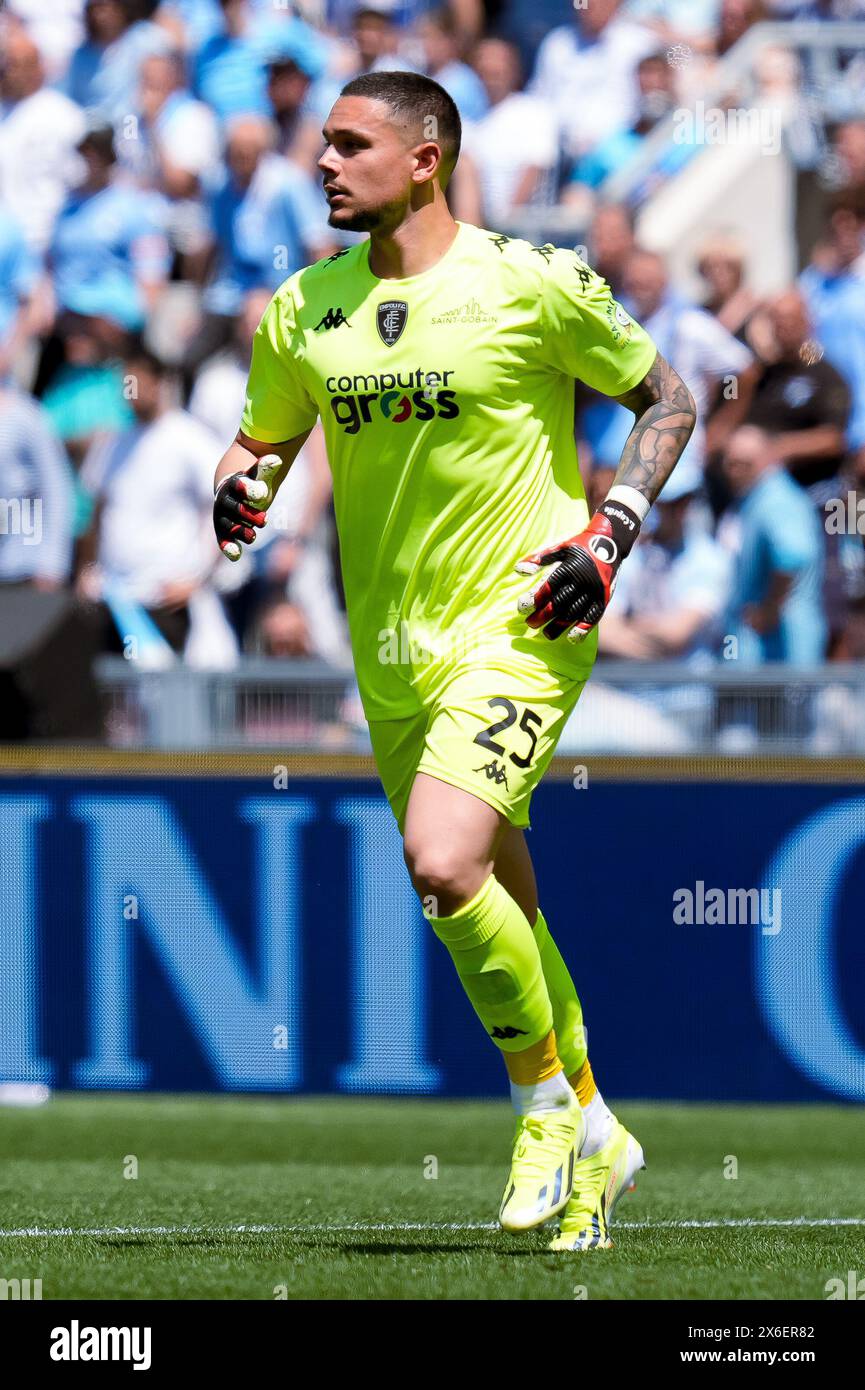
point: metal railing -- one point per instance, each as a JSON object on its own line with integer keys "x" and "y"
{"x": 723, "y": 709}
{"x": 262, "y": 703}
{"x": 627, "y": 707}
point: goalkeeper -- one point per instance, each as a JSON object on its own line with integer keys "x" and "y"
{"x": 441, "y": 359}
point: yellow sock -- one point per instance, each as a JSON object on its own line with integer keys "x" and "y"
{"x": 496, "y": 957}
{"x": 567, "y": 1010}
{"x": 536, "y": 1063}
{"x": 584, "y": 1083}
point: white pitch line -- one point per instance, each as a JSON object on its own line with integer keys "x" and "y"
{"x": 360, "y": 1227}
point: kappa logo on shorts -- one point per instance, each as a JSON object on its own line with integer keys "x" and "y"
{"x": 495, "y": 772}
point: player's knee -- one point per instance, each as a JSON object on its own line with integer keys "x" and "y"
{"x": 443, "y": 874}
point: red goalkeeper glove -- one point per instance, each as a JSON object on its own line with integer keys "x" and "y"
{"x": 575, "y": 594}
{"x": 234, "y": 519}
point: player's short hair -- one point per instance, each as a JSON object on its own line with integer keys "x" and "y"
{"x": 420, "y": 101}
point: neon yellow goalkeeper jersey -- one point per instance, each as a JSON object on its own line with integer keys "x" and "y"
{"x": 447, "y": 400}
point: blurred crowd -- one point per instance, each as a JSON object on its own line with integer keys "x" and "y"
{"x": 158, "y": 182}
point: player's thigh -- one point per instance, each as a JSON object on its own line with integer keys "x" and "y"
{"x": 397, "y": 745}
{"x": 494, "y": 730}
{"x": 451, "y": 840}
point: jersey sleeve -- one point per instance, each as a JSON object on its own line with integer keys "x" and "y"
{"x": 278, "y": 407}
{"x": 585, "y": 332}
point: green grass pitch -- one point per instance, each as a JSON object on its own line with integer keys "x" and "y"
{"x": 342, "y": 1192}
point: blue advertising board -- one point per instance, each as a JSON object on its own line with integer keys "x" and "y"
{"x": 215, "y": 932}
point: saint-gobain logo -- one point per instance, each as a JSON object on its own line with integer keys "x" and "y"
{"x": 77, "y": 1343}
{"x": 391, "y": 319}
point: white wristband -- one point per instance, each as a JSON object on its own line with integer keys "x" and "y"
{"x": 629, "y": 497}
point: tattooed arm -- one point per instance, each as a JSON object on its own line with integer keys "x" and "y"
{"x": 574, "y": 595}
{"x": 666, "y": 415}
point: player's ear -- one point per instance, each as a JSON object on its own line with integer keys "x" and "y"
{"x": 428, "y": 161}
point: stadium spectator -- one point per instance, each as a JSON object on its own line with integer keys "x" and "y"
{"x": 775, "y": 610}
{"x": 611, "y": 243}
{"x": 172, "y": 147}
{"x": 220, "y": 386}
{"x": 472, "y": 17}
{"x": 109, "y": 258}
{"x": 375, "y": 40}
{"x": 598, "y": 423}
{"x": 296, "y": 60}
{"x": 835, "y": 295}
{"x": 166, "y": 454}
{"x": 56, "y": 29}
{"x": 103, "y": 73}
{"x": 840, "y": 10}
{"x": 81, "y": 385}
{"x": 705, "y": 355}
{"x": 293, "y": 550}
{"x": 721, "y": 264}
{"x": 800, "y": 399}
{"x": 39, "y": 129}
{"x": 19, "y": 275}
{"x": 441, "y": 44}
{"x": 708, "y": 358}
{"x": 229, "y": 73}
{"x": 239, "y": 228}
{"x": 282, "y": 631}
{"x": 691, "y": 23}
{"x": 734, "y": 21}
{"x": 848, "y": 637}
{"x": 675, "y": 593}
{"x": 192, "y": 22}
{"x": 174, "y": 144}
{"x": 656, "y": 98}
{"x": 37, "y": 498}
{"x": 848, "y": 148}
{"x": 804, "y": 403}
{"x": 266, "y": 221}
{"x": 511, "y": 153}
{"x": 585, "y": 71}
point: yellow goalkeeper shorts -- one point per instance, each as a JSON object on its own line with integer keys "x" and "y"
{"x": 490, "y": 729}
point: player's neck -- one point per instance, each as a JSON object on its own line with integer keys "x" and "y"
{"x": 416, "y": 245}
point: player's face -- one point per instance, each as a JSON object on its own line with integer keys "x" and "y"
{"x": 366, "y": 167}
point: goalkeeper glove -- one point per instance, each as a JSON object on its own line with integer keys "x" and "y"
{"x": 574, "y": 596}
{"x": 234, "y": 520}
